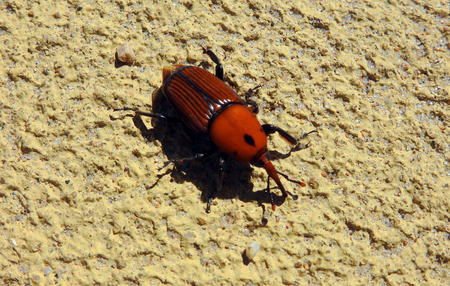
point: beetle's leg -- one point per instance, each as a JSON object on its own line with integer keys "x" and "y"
{"x": 251, "y": 102}
{"x": 196, "y": 156}
{"x": 215, "y": 59}
{"x": 181, "y": 161}
{"x": 270, "y": 194}
{"x": 148, "y": 114}
{"x": 270, "y": 129}
{"x": 218, "y": 189}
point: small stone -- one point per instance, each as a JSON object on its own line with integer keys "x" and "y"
{"x": 201, "y": 221}
{"x": 121, "y": 263}
{"x": 313, "y": 183}
{"x": 125, "y": 54}
{"x": 36, "y": 278}
{"x": 251, "y": 250}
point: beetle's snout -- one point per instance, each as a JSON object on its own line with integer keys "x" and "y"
{"x": 264, "y": 161}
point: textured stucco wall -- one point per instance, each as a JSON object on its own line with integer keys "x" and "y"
{"x": 84, "y": 199}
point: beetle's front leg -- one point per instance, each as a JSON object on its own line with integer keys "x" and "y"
{"x": 219, "y": 186}
{"x": 295, "y": 143}
{"x": 215, "y": 59}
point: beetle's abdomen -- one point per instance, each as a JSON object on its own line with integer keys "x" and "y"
{"x": 197, "y": 95}
{"x": 237, "y": 132}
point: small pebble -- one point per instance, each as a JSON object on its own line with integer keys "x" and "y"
{"x": 313, "y": 183}
{"x": 251, "y": 250}
{"x": 201, "y": 221}
{"x": 125, "y": 54}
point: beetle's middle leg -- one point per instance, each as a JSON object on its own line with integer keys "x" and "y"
{"x": 195, "y": 156}
{"x": 148, "y": 114}
{"x": 270, "y": 194}
{"x": 215, "y": 59}
{"x": 219, "y": 186}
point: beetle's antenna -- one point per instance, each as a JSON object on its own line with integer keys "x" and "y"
{"x": 292, "y": 180}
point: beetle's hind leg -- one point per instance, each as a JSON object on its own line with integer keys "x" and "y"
{"x": 215, "y": 59}
{"x": 219, "y": 186}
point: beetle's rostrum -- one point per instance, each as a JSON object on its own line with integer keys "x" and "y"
{"x": 210, "y": 108}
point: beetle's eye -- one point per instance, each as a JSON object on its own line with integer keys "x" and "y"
{"x": 249, "y": 140}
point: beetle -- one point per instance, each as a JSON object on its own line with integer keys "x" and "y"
{"x": 212, "y": 109}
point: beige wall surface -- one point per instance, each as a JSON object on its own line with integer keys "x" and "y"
{"x": 86, "y": 197}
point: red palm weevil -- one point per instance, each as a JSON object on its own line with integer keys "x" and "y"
{"x": 210, "y": 108}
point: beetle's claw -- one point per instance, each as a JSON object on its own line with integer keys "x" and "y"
{"x": 307, "y": 134}
{"x": 294, "y": 197}
{"x": 265, "y": 216}
{"x": 299, "y": 146}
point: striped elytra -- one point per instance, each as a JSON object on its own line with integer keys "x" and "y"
{"x": 197, "y": 95}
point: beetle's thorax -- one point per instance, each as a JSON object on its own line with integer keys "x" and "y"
{"x": 237, "y": 132}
